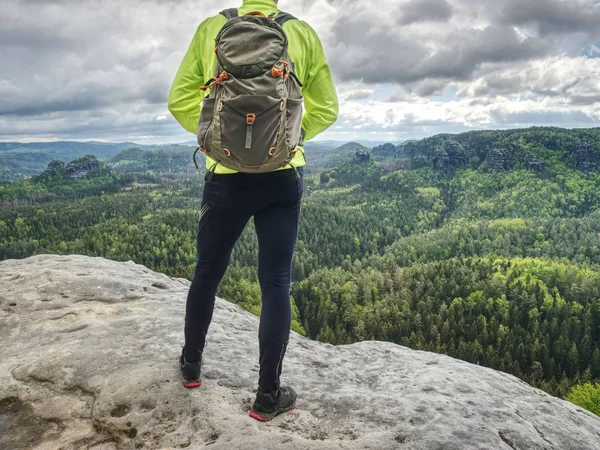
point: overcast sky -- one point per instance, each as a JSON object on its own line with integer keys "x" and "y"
{"x": 101, "y": 69}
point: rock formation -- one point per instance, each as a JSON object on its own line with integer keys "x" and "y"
{"x": 362, "y": 156}
{"x": 80, "y": 168}
{"x": 83, "y": 167}
{"x": 450, "y": 156}
{"x": 89, "y": 361}
{"x": 585, "y": 157}
{"x": 531, "y": 163}
{"x": 500, "y": 160}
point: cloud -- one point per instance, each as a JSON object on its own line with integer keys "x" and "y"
{"x": 554, "y": 16}
{"x": 560, "y": 78}
{"x": 372, "y": 50}
{"x": 360, "y": 94}
{"x": 89, "y": 69}
{"x": 424, "y": 11}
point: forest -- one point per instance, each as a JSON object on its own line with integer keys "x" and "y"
{"x": 484, "y": 246}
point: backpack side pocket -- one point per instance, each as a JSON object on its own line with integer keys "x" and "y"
{"x": 205, "y": 121}
{"x": 293, "y": 126}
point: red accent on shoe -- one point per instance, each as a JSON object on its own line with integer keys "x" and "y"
{"x": 255, "y": 415}
{"x": 193, "y": 384}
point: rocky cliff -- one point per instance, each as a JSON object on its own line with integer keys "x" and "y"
{"x": 449, "y": 156}
{"x": 500, "y": 160}
{"x": 362, "y": 156}
{"x": 85, "y": 167}
{"x": 585, "y": 157}
{"x": 89, "y": 361}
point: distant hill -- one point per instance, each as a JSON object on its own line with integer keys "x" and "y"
{"x": 175, "y": 159}
{"x": 330, "y": 157}
{"x": 19, "y": 160}
{"x": 85, "y": 167}
{"x": 536, "y": 148}
{"x": 66, "y": 150}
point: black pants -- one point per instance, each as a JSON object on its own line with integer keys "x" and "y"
{"x": 228, "y": 202}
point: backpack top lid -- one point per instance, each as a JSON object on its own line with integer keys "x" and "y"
{"x": 248, "y": 46}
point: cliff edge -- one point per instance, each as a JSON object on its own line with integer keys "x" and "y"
{"x": 89, "y": 359}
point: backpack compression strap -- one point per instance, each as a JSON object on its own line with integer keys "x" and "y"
{"x": 283, "y": 17}
{"x": 230, "y": 13}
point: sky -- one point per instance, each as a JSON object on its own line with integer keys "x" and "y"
{"x": 405, "y": 69}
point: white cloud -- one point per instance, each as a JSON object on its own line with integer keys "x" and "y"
{"x": 101, "y": 70}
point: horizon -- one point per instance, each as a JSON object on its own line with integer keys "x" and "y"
{"x": 316, "y": 140}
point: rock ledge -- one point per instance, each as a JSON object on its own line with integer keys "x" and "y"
{"x": 89, "y": 360}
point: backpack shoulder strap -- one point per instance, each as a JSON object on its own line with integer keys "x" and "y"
{"x": 283, "y": 17}
{"x": 230, "y": 13}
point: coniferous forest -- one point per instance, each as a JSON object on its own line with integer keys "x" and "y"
{"x": 484, "y": 246}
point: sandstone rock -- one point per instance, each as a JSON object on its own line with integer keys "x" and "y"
{"x": 500, "y": 159}
{"x": 585, "y": 157}
{"x": 531, "y": 163}
{"x": 449, "y": 156}
{"x": 83, "y": 167}
{"x": 89, "y": 361}
{"x": 362, "y": 156}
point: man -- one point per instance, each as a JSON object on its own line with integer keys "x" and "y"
{"x": 230, "y": 198}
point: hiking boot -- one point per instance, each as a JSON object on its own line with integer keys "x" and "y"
{"x": 190, "y": 371}
{"x": 269, "y": 404}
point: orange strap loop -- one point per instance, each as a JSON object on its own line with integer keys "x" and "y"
{"x": 255, "y": 13}
{"x": 271, "y": 151}
{"x": 203, "y": 150}
{"x": 216, "y": 80}
{"x": 278, "y": 71}
{"x": 227, "y": 152}
{"x": 250, "y": 118}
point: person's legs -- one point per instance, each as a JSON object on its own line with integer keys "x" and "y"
{"x": 223, "y": 218}
{"x": 277, "y": 231}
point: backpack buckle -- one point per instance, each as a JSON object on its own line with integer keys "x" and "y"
{"x": 250, "y": 118}
{"x": 283, "y": 69}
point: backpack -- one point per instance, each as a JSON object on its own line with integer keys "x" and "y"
{"x": 252, "y": 118}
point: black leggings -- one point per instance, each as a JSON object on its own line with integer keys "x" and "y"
{"x": 229, "y": 200}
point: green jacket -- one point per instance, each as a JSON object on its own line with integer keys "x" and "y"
{"x": 305, "y": 50}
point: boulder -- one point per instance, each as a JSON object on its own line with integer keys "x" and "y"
{"x": 89, "y": 360}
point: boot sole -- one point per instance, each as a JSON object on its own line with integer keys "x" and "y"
{"x": 267, "y": 417}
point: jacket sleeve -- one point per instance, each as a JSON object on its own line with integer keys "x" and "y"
{"x": 320, "y": 97}
{"x": 185, "y": 97}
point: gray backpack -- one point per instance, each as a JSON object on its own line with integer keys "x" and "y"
{"x": 252, "y": 118}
